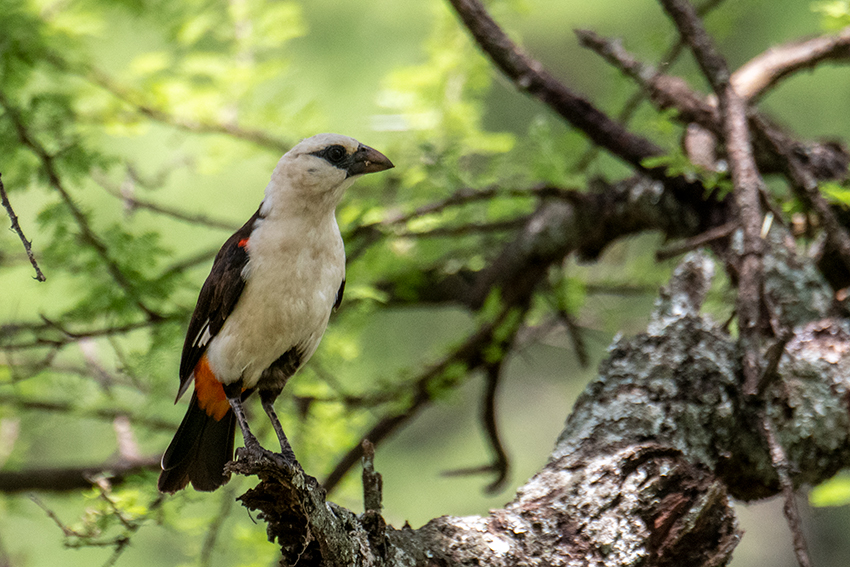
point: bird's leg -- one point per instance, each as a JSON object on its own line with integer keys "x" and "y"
{"x": 235, "y": 402}
{"x": 267, "y": 398}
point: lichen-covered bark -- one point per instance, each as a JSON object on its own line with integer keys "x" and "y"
{"x": 648, "y": 460}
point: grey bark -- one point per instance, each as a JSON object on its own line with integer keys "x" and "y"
{"x": 649, "y": 459}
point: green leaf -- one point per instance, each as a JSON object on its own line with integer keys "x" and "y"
{"x": 833, "y": 492}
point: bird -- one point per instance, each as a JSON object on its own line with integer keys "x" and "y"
{"x": 264, "y": 307}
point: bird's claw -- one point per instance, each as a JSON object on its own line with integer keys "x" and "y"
{"x": 256, "y": 452}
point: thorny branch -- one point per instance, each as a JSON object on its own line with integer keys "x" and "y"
{"x": 19, "y": 231}
{"x": 86, "y": 233}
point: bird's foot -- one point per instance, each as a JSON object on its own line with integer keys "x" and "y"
{"x": 253, "y": 451}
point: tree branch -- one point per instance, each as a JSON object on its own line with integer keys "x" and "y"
{"x": 607, "y": 495}
{"x": 135, "y": 100}
{"x": 491, "y": 336}
{"x": 132, "y": 202}
{"x": 86, "y": 233}
{"x": 17, "y": 228}
{"x": 74, "y": 478}
{"x": 763, "y": 72}
{"x": 530, "y": 76}
{"x": 825, "y": 160}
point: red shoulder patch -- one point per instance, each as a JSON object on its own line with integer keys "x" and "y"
{"x": 243, "y": 243}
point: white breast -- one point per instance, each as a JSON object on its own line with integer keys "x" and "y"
{"x": 292, "y": 278}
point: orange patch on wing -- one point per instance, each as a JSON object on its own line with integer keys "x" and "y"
{"x": 243, "y": 243}
{"x": 210, "y": 392}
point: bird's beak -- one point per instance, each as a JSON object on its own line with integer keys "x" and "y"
{"x": 368, "y": 160}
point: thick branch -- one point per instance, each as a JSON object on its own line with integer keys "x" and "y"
{"x": 74, "y": 478}
{"x": 584, "y": 223}
{"x": 530, "y": 76}
{"x": 609, "y": 497}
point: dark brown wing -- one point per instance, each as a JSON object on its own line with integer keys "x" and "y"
{"x": 339, "y": 293}
{"x": 217, "y": 299}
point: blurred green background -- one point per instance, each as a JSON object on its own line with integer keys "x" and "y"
{"x": 382, "y": 72}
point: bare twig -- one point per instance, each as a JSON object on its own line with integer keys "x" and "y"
{"x": 17, "y": 228}
{"x": 465, "y": 229}
{"x": 468, "y": 355}
{"x": 773, "y": 356}
{"x": 530, "y": 76}
{"x": 665, "y": 91}
{"x": 500, "y": 464}
{"x": 805, "y": 184}
{"x": 576, "y": 336}
{"x": 190, "y": 262}
{"x": 136, "y": 101}
{"x": 66, "y": 531}
{"x": 697, "y": 241}
{"x": 780, "y": 464}
{"x": 373, "y": 483}
{"x": 468, "y": 195}
{"x": 766, "y": 70}
{"x": 745, "y": 178}
{"x": 631, "y": 105}
{"x": 67, "y": 336}
{"x": 108, "y": 414}
{"x": 824, "y": 160}
{"x": 214, "y": 530}
{"x": 135, "y": 203}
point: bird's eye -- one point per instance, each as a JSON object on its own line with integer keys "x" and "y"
{"x": 335, "y": 154}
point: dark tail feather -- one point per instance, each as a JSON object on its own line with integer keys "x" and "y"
{"x": 198, "y": 452}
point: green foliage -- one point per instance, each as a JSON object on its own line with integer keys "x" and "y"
{"x": 836, "y": 193}
{"x": 834, "y": 492}
{"x": 835, "y": 14}
{"x": 677, "y": 163}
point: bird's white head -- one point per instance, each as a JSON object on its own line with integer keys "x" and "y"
{"x": 317, "y": 171}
